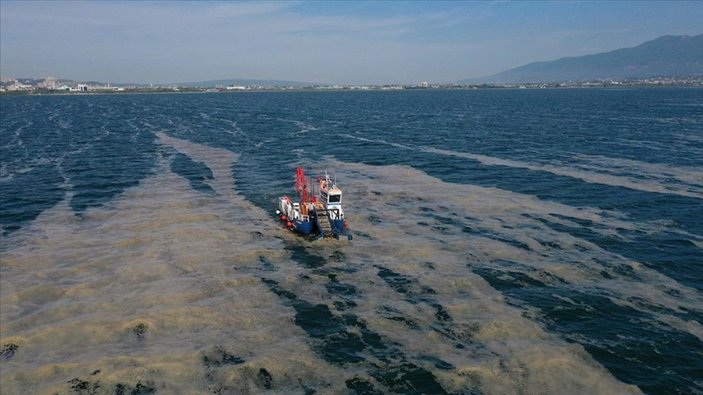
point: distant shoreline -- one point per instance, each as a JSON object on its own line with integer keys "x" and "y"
{"x": 370, "y": 89}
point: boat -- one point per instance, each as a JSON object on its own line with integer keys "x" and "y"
{"x": 318, "y": 215}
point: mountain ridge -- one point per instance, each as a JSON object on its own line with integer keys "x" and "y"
{"x": 664, "y": 56}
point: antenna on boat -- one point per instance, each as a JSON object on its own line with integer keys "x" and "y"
{"x": 312, "y": 191}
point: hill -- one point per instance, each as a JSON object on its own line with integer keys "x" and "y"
{"x": 243, "y": 82}
{"x": 664, "y": 56}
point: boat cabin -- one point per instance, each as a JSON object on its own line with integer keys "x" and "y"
{"x": 331, "y": 197}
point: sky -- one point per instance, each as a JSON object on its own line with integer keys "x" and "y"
{"x": 334, "y": 42}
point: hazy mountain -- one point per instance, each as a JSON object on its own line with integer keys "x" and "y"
{"x": 664, "y": 56}
{"x": 243, "y": 82}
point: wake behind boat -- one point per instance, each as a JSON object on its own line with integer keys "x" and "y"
{"x": 321, "y": 215}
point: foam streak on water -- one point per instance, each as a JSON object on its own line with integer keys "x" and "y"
{"x": 593, "y": 169}
{"x": 510, "y": 242}
{"x": 527, "y": 242}
{"x": 158, "y": 288}
{"x": 166, "y": 288}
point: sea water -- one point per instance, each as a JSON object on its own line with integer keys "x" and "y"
{"x": 505, "y": 242}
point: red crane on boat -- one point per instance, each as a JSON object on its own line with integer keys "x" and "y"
{"x": 301, "y": 185}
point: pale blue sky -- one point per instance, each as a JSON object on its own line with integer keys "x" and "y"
{"x": 326, "y": 42}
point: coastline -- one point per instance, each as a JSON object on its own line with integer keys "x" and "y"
{"x": 354, "y": 89}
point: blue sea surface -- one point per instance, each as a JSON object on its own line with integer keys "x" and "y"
{"x": 505, "y": 241}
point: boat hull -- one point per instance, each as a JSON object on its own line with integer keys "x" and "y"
{"x": 339, "y": 225}
{"x": 303, "y": 227}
